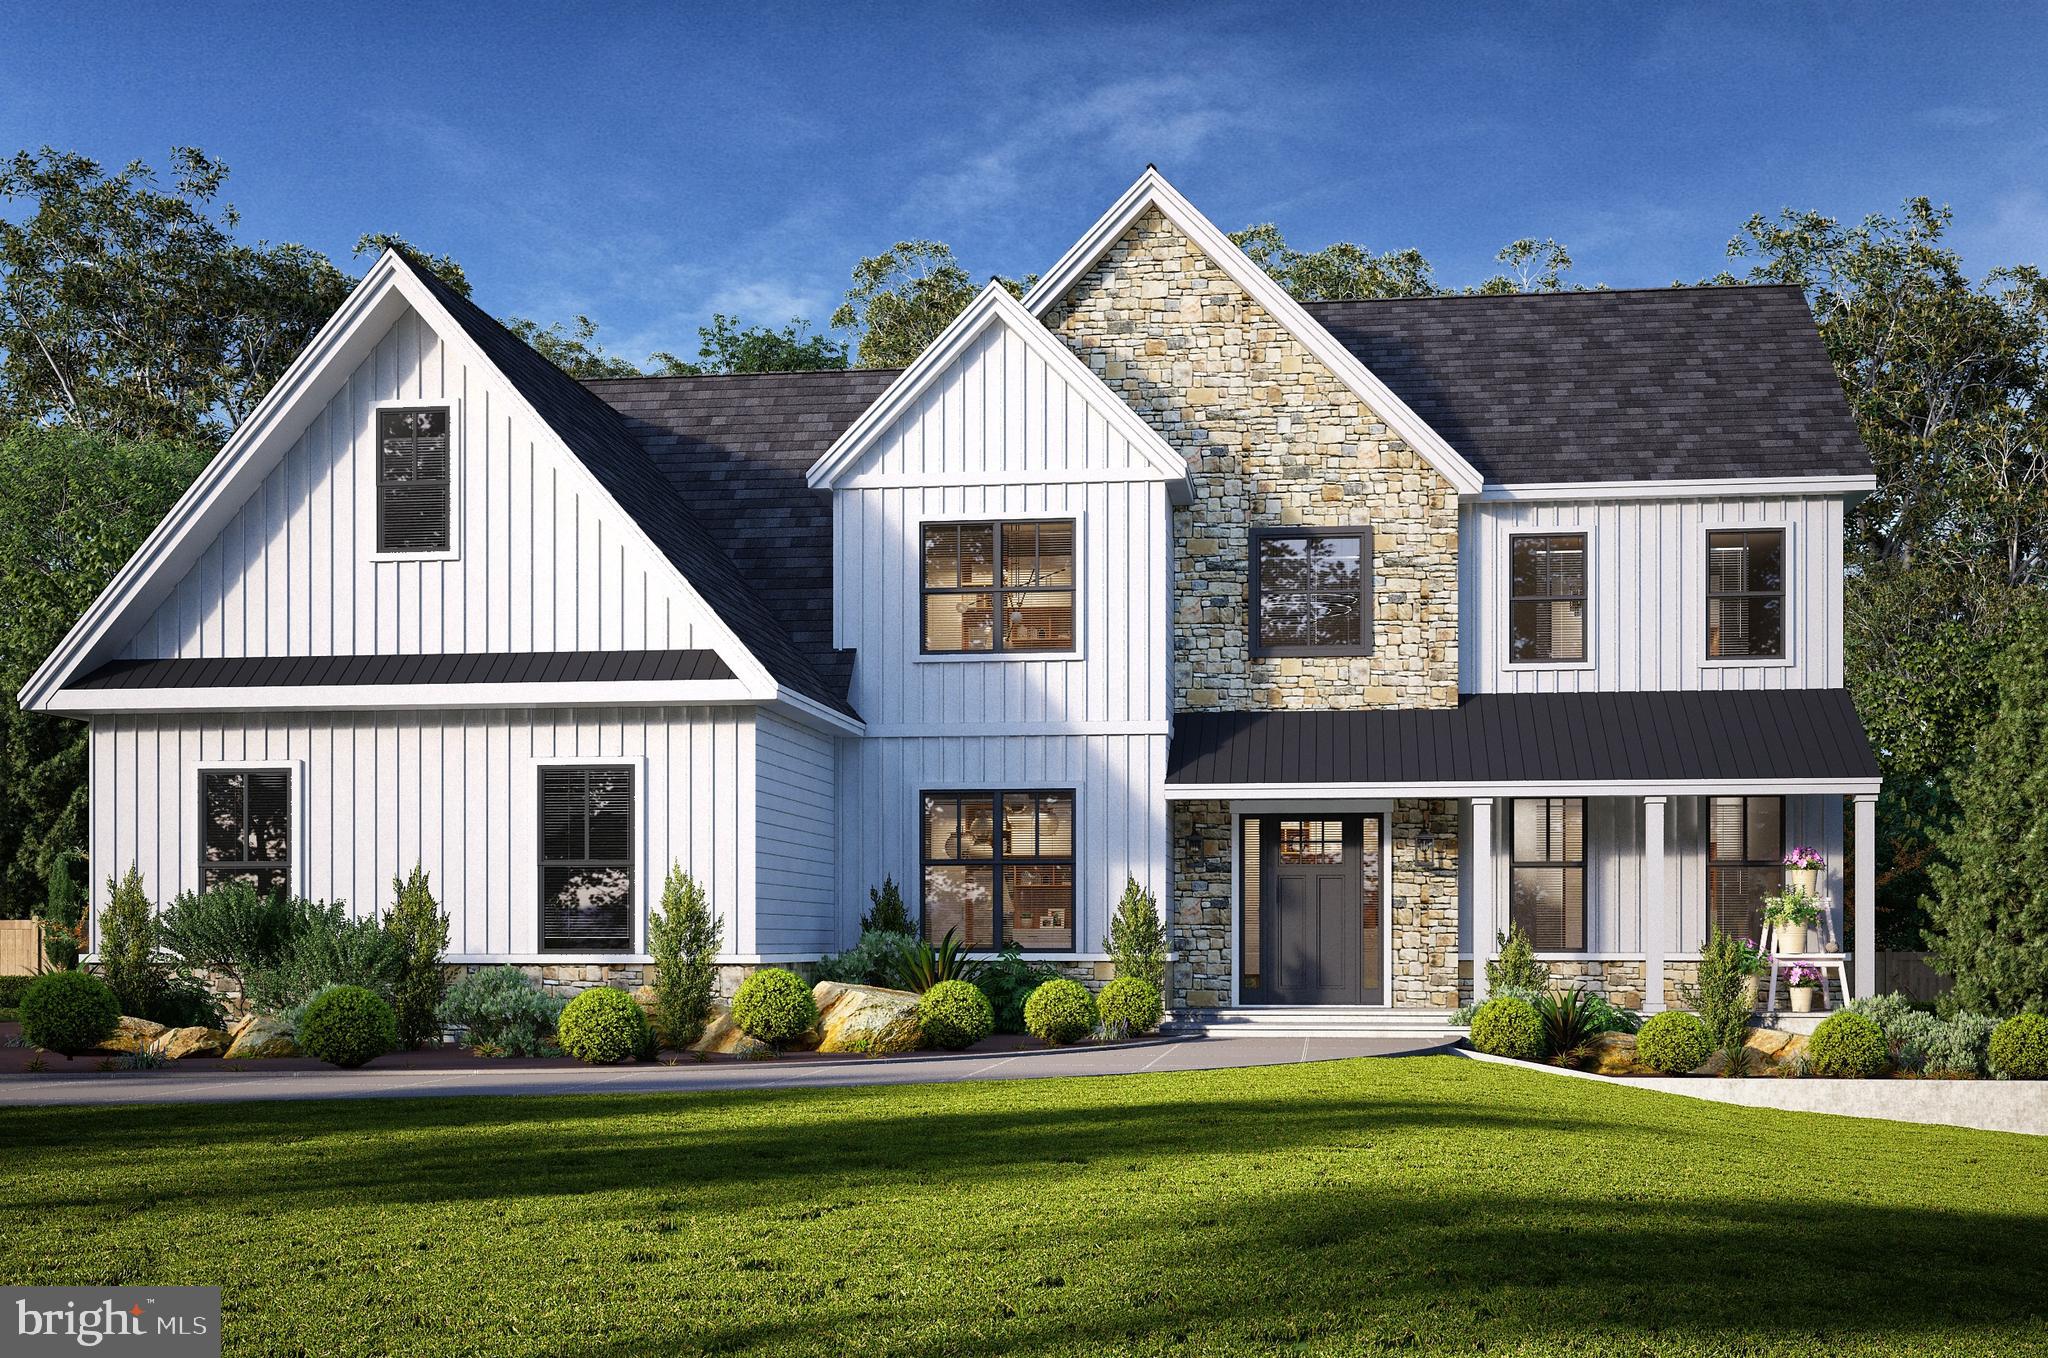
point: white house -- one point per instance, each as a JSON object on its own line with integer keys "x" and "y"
{"x": 1354, "y": 629}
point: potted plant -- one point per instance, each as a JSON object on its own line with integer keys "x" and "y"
{"x": 1804, "y": 982}
{"x": 1792, "y": 914}
{"x": 1803, "y": 869}
{"x": 1749, "y": 959}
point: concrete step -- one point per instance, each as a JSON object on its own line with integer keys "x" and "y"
{"x": 1316, "y": 1021}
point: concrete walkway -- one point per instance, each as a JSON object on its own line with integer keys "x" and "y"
{"x": 219, "y": 1084}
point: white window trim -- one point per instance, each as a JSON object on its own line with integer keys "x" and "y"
{"x": 1507, "y": 608}
{"x": 295, "y": 869}
{"x": 641, "y": 896}
{"x": 916, "y": 609}
{"x": 1698, "y": 626}
{"x": 456, "y": 441}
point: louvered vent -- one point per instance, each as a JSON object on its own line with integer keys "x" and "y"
{"x": 413, "y": 480}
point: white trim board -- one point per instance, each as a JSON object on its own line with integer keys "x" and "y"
{"x": 379, "y": 697}
{"x": 1714, "y": 488}
{"x": 1311, "y": 794}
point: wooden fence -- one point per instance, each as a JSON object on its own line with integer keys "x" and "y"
{"x": 21, "y": 947}
{"x": 1908, "y": 973}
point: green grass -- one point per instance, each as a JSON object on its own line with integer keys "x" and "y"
{"x": 1421, "y": 1206}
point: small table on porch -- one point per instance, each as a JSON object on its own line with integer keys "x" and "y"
{"x": 1824, "y": 962}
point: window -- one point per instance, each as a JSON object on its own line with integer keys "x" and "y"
{"x": 1547, "y": 599}
{"x": 999, "y": 868}
{"x": 1746, "y": 593}
{"x": 1251, "y": 890}
{"x": 1311, "y": 591}
{"x": 245, "y": 830}
{"x": 587, "y": 828}
{"x": 413, "y": 481}
{"x": 1547, "y": 871}
{"x": 1745, "y": 861}
{"x": 998, "y": 587}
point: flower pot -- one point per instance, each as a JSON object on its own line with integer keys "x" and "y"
{"x": 1803, "y": 997}
{"x": 1790, "y": 939}
{"x": 1804, "y": 879}
{"x": 1749, "y": 989}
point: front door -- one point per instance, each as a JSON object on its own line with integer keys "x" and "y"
{"x": 1320, "y": 930}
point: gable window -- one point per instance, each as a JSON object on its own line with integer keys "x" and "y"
{"x": 1745, "y": 861}
{"x": 1746, "y": 593}
{"x": 1547, "y": 871}
{"x": 1311, "y": 591}
{"x": 414, "y": 481}
{"x": 586, "y": 858}
{"x": 999, "y": 868}
{"x": 245, "y": 832}
{"x": 1547, "y": 599}
{"x": 992, "y": 587}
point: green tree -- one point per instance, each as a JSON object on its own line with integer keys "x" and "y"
{"x": 729, "y": 347}
{"x": 573, "y": 349}
{"x": 1989, "y": 909}
{"x": 1533, "y": 266}
{"x": 128, "y": 958}
{"x": 886, "y": 913}
{"x": 1339, "y": 272}
{"x": 442, "y": 267}
{"x": 1137, "y": 936}
{"x": 683, "y": 938}
{"x": 419, "y": 935}
{"x": 902, "y": 298}
{"x": 63, "y": 908}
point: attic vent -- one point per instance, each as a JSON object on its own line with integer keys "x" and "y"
{"x": 413, "y": 481}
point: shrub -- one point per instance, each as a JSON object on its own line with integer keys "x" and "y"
{"x": 233, "y": 929}
{"x": 68, "y": 1011}
{"x": 886, "y": 914}
{"x": 63, "y": 908}
{"x": 1516, "y": 967}
{"x": 872, "y": 961}
{"x": 1129, "y": 1006}
{"x": 186, "y": 1002}
{"x": 1721, "y": 994}
{"x": 1847, "y": 1044}
{"x": 12, "y": 988}
{"x": 325, "y": 946}
{"x": 920, "y": 966}
{"x": 1917, "y": 1040}
{"x": 2018, "y": 1049}
{"x": 1462, "y": 1017}
{"x": 1137, "y": 938}
{"x": 504, "y": 1011}
{"x": 1008, "y": 980}
{"x": 1607, "y": 1017}
{"x": 417, "y": 935}
{"x": 683, "y": 937}
{"x": 128, "y": 958}
{"x": 1059, "y": 1012}
{"x": 346, "y": 1025}
{"x": 1673, "y": 1042}
{"x": 955, "y": 1015}
{"x": 1569, "y": 1021}
{"x": 1507, "y": 1026}
{"x": 604, "y": 1026}
{"x": 774, "y": 1006}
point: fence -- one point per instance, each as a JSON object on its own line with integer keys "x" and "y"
{"x": 21, "y": 947}
{"x": 1908, "y": 973}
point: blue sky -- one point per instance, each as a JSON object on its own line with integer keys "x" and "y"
{"x": 649, "y": 165}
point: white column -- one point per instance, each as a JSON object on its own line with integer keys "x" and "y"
{"x": 1656, "y": 904}
{"x": 1484, "y": 924}
{"x": 1866, "y": 893}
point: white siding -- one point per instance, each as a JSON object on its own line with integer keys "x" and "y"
{"x": 1646, "y": 611}
{"x": 453, "y": 791}
{"x": 796, "y": 791}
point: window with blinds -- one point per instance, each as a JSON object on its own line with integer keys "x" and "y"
{"x": 1547, "y": 599}
{"x": 414, "y": 481}
{"x": 587, "y": 829}
{"x": 1547, "y": 871}
{"x": 1746, "y": 594}
{"x": 998, "y": 587}
{"x": 1745, "y": 861}
{"x": 245, "y": 829}
{"x": 1311, "y": 591}
{"x": 999, "y": 869}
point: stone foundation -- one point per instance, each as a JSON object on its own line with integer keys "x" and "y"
{"x": 1620, "y": 982}
{"x": 570, "y": 978}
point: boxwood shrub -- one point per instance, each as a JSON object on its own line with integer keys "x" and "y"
{"x": 1059, "y": 1012}
{"x": 1508, "y": 1026}
{"x": 604, "y": 1026}
{"x": 68, "y": 1011}
{"x": 1847, "y": 1044}
{"x": 1673, "y": 1042}
{"x": 346, "y": 1025}
{"x": 955, "y": 1015}
{"x": 2019, "y": 1048}
{"x": 774, "y": 1006}
{"x": 1129, "y": 1006}
{"x": 504, "y": 1012}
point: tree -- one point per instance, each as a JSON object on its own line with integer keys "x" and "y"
{"x": 683, "y": 938}
{"x": 574, "y": 350}
{"x": 902, "y": 298}
{"x": 728, "y": 347}
{"x": 1535, "y": 266}
{"x": 128, "y": 945}
{"x": 886, "y": 913}
{"x": 419, "y": 935}
{"x": 1989, "y": 908}
{"x": 63, "y": 909}
{"x": 1137, "y": 937}
{"x": 1339, "y": 272}
{"x": 73, "y": 507}
{"x": 442, "y": 267}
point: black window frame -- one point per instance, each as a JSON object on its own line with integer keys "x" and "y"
{"x": 631, "y": 863}
{"x": 1584, "y": 597}
{"x": 445, "y": 483}
{"x": 1749, "y": 862}
{"x": 1255, "y": 639}
{"x": 1550, "y": 862}
{"x": 998, "y": 860}
{"x": 996, "y": 589}
{"x": 1783, "y": 593}
{"x": 230, "y": 868}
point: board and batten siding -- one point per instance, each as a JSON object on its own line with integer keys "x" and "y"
{"x": 542, "y": 562}
{"x": 455, "y": 791}
{"x": 1646, "y": 606}
{"x": 796, "y": 823}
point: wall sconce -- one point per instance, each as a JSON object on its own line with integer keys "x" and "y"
{"x": 1425, "y": 849}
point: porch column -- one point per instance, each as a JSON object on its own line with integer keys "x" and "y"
{"x": 1484, "y": 926}
{"x": 1866, "y": 894}
{"x": 1656, "y": 905}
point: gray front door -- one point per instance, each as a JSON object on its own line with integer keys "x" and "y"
{"x": 1315, "y": 931}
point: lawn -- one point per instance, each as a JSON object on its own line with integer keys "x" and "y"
{"x": 1430, "y": 1205}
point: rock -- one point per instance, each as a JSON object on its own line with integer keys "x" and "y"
{"x": 864, "y": 1018}
{"x": 722, "y": 1036}
{"x": 1611, "y": 1054}
{"x": 132, "y": 1035}
{"x": 1772, "y": 1044}
{"x": 643, "y": 995}
{"x": 179, "y": 1043}
{"x": 261, "y": 1035}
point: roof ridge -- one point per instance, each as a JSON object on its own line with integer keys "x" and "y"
{"x": 1674, "y": 289}
{"x": 741, "y": 377}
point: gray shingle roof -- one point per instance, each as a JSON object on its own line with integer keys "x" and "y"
{"x": 1658, "y": 384}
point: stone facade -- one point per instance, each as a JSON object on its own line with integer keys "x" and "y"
{"x": 570, "y": 978}
{"x": 1425, "y": 910}
{"x": 1621, "y": 982}
{"x": 1200, "y": 921}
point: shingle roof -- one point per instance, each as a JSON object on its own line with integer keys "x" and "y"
{"x": 1658, "y": 384}
{"x": 597, "y": 436}
{"x": 1759, "y": 736}
{"x": 467, "y": 667}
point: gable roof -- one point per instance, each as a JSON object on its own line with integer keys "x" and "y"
{"x": 1644, "y": 385}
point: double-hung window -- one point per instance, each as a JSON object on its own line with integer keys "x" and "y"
{"x": 1745, "y": 861}
{"x": 1311, "y": 591}
{"x": 1547, "y": 599}
{"x": 990, "y": 587}
{"x": 1547, "y": 871}
{"x": 415, "y": 481}
{"x": 587, "y": 830}
{"x": 999, "y": 868}
{"x": 245, "y": 831}
{"x": 1746, "y": 594}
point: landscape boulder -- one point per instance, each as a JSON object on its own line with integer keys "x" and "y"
{"x": 722, "y": 1037}
{"x": 1771, "y": 1053}
{"x": 179, "y": 1043}
{"x": 864, "y": 1018}
{"x": 132, "y": 1035}
{"x": 1611, "y": 1054}
{"x": 260, "y": 1035}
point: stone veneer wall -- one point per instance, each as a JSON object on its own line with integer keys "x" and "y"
{"x": 1425, "y": 905}
{"x": 1273, "y": 438}
{"x": 1201, "y": 918}
{"x": 569, "y": 978}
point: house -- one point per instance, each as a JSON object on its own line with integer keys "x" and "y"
{"x": 1356, "y": 630}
